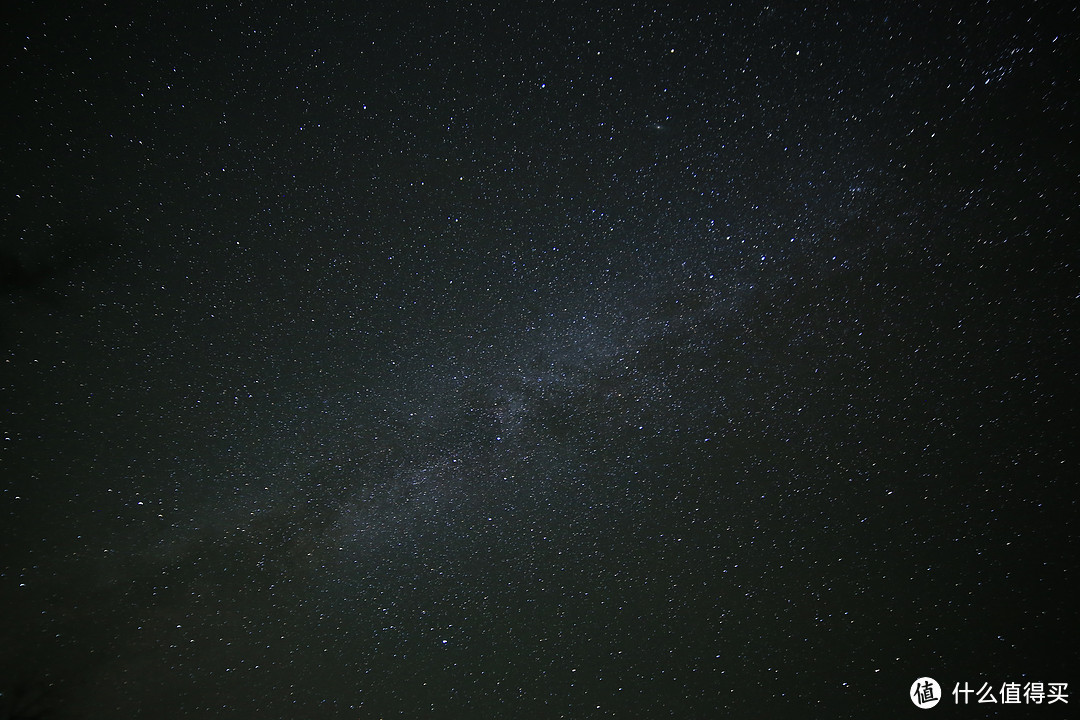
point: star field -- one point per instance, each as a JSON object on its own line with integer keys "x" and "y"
{"x": 498, "y": 362}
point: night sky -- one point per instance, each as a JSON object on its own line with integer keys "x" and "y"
{"x": 536, "y": 361}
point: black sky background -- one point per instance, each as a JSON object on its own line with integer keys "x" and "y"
{"x": 536, "y": 361}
